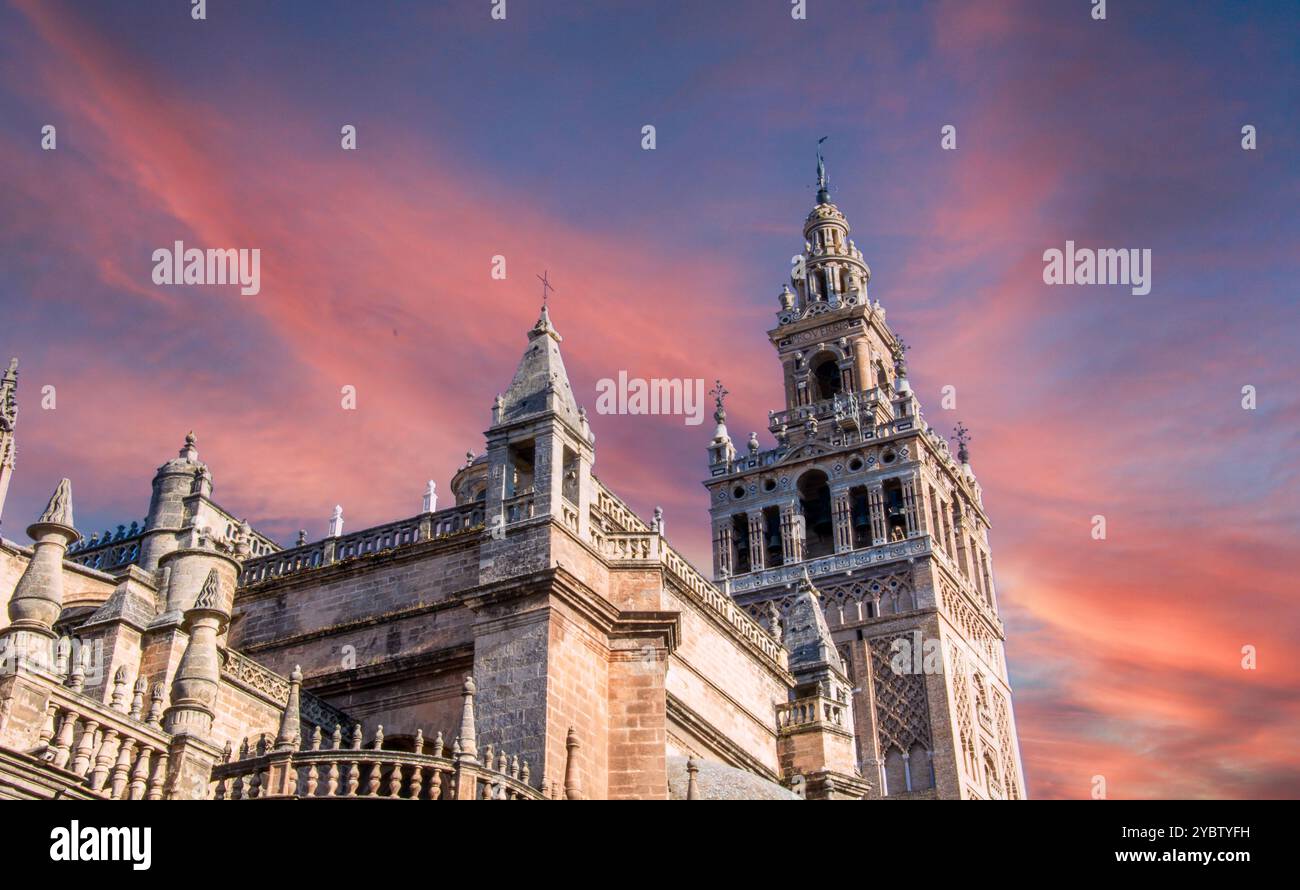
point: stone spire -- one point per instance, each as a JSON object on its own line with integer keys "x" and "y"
{"x": 8, "y": 422}
{"x": 38, "y": 598}
{"x": 541, "y": 384}
{"x": 835, "y": 275}
{"x": 290, "y": 719}
{"x": 806, "y": 635}
{"x": 198, "y": 677}
{"x": 721, "y": 450}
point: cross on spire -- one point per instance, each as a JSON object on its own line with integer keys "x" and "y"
{"x": 546, "y": 286}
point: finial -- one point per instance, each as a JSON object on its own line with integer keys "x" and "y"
{"x": 719, "y": 394}
{"x": 692, "y": 782}
{"x": 302, "y": 537}
{"x": 467, "y": 732}
{"x": 962, "y": 436}
{"x": 156, "y": 706}
{"x": 59, "y": 510}
{"x": 336, "y": 521}
{"x": 430, "y": 502}
{"x": 572, "y": 790}
{"x": 207, "y": 598}
{"x": 188, "y": 450}
{"x": 546, "y": 288}
{"x": 823, "y": 192}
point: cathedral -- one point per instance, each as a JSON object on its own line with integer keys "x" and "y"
{"x": 537, "y": 639}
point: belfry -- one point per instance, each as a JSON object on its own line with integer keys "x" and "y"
{"x": 862, "y": 499}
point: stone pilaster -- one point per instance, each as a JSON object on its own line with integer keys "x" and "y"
{"x": 757, "y": 542}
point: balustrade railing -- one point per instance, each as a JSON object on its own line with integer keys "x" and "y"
{"x": 118, "y": 751}
{"x": 330, "y": 769}
{"x": 402, "y": 533}
{"x": 809, "y": 710}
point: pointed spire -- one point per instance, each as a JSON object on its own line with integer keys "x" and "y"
{"x": 198, "y": 677}
{"x": 59, "y": 509}
{"x": 806, "y": 636}
{"x": 210, "y": 594}
{"x": 541, "y": 383}
{"x": 290, "y": 719}
{"x": 37, "y": 599}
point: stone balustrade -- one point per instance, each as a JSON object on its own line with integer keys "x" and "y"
{"x": 402, "y": 533}
{"x": 329, "y": 768}
{"x": 809, "y": 710}
{"x": 834, "y": 563}
{"x": 118, "y": 751}
{"x": 650, "y": 546}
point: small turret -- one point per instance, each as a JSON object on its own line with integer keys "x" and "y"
{"x": 37, "y": 600}
{"x": 198, "y": 677}
{"x": 175, "y": 480}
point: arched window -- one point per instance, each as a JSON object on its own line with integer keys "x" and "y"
{"x": 815, "y": 502}
{"x": 741, "y": 561}
{"x": 895, "y": 772}
{"x": 827, "y": 371}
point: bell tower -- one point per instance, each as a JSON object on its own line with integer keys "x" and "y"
{"x": 861, "y": 499}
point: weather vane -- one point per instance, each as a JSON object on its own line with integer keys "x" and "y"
{"x": 962, "y": 435}
{"x": 546, "y": 286}
{"x": 719, "y": 394}
{"x": 822, "y": 194}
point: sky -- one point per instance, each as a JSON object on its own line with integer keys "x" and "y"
{"x": 522, "y": 138}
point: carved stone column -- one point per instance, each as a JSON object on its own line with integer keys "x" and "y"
{"x": 842, "y": 519}
{"x": 909, "y": 507}
{"x": 792, "y": 534}
{"x": 876, "y": 507}
{"x": 722, "y": 549}
{"x": 757, "y": 550}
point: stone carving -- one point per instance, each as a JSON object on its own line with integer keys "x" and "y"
{"x": 59, "y": 509}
